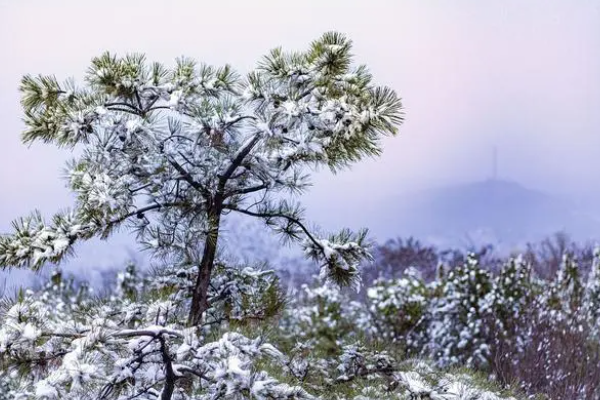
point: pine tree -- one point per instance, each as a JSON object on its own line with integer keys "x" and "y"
{"x": 170, "y": 153}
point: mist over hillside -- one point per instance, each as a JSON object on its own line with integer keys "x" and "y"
{"x": 498, "y": 212}
{"x": 501, "y": 213}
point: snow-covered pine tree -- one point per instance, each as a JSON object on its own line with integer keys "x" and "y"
{"x": 456, "y": 332}
{"x": 170, "y": 153}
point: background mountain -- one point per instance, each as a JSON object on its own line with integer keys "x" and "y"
{"x": 499, "y": 212}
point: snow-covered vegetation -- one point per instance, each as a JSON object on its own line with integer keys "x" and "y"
{"x": 399, "y": 338}
{"x": 170, "y": 154}
{"x": 62, "y": 341}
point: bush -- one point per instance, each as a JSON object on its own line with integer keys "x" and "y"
{"x": 62, "y": 341}
{"x": 516, "y": 328}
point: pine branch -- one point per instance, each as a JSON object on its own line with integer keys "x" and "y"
{"x": 293, "y": 220}
{"x": 247, "y": 190}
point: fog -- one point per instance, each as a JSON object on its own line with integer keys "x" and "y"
{"x": 521, "y": 76}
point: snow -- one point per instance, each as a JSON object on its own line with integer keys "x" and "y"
{"x": 175, "y": 98}
{"x": 30, "y": 332}
{"x": 44, "y": 390}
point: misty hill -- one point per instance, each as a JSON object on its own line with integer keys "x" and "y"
{"x": 499, "y": 212}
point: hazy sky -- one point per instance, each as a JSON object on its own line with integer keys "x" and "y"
{"x": 523, "y": 75}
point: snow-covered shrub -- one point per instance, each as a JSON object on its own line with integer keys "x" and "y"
{"x": 512, "y": 293}
{"x": 457, "y": 329}
{"x": 508, "y": 308}
{"x": 591, "y": 304}
{"x": 560, "y": 354}
{"x": 130, "y": 283}
{"x": 399, "y": 311}
{"x": 322, "y": 317}
{"x": 511, "y": 325}
{"x": 57, "y": 347}
{"x": 54, "y": 346}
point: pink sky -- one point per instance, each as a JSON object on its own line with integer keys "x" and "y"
{"x": 521, "y": 74}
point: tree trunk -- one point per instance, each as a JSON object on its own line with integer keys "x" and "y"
{"x": 200, "y": 295}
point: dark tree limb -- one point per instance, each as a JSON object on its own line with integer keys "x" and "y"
{"x": 170, "y": 376}
{"x": 289, "y": 218}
